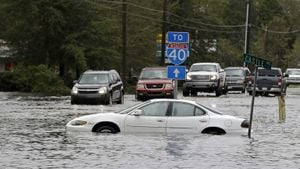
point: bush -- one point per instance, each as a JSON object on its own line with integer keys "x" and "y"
{"x": 36, "y": 79}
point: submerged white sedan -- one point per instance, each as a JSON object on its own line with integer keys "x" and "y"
{"x": 161, "y": 116}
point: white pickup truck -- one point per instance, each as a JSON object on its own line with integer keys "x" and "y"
{"x": 205, "y": 77}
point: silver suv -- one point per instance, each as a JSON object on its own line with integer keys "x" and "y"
{"x": 98, "y": 87}
{"x": 293, "y": 76}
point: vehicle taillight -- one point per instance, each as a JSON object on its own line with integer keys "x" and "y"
{"x": 279, "y": 81}
{"x": 245, "y": 124}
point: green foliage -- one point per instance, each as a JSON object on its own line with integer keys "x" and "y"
{"x": 38, "y": 79}
{"x": 71, "y": 36}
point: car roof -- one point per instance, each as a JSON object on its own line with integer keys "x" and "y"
{"x": 176, "y": 100}
{"x": 235, "y": 68}
{"x": 154, "y": 68}
{"x": 293, "y": 69}
{"x": 206, "y": 63}
{"x": 99, "y": 71}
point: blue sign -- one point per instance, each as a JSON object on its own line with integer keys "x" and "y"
{"x": 177, "y": 53}
{"x": 176, "y": 72}
{"x": 178, "y": 37}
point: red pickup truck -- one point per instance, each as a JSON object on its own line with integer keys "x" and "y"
{"x": 153, "y": 83}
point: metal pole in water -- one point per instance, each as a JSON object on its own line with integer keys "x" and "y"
{"x": 252, "y": 104}
{"x": 281, "y": 104}
{"x": 176, "y": 89}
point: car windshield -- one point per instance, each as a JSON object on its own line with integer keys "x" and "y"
{"x": 154, "y": 74}
{"x": 94, "y": 78}
{"x": 129, "y": 109}
{"x": 267, "y": 72}
{"x": 207, "y": 68}
{"x": 234, "y": 72}
{"x": 293, "y": 72}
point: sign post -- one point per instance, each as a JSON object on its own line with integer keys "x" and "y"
{"x": 257, "y": 62}
{"x": 177, "y": 52}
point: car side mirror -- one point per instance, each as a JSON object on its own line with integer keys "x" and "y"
{"x": 138, "y": 112}
{"x": 285, "y": 75}
{"x": 75, "y": 81}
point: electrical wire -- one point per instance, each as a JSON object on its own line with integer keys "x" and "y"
{"x": 171, "y": 23}
{"x": 197, "y": 21}
{"x": 276, "y": 32}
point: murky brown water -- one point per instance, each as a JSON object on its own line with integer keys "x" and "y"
{"x": 33, "y": 136}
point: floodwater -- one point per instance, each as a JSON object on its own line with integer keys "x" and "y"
{"x": 33, "y": 136}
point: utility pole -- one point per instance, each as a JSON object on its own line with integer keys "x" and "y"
{"x": 246, "y": 44}
{"x": 163, "y": 37}
{"x": 124, "y": 41}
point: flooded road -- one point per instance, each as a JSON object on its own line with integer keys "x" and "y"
{"x": 33, "y": 136}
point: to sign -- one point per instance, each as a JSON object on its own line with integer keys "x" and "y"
{"x": 178, "y": 37}
{"x": 249, "y": 59}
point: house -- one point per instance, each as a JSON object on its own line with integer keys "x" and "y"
{"x": 6, "y": 61}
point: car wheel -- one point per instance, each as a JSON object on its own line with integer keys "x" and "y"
{"x": 194, "y": 93}
{"x": 72, "y": 101}
{"x": 214, "y": 131}
{"x": 106, "y": 129}
{"x": 250, "y": 93}
{"x": 218, "y": 92}
{"x": 121, "y": 99}
{"x": 243, "y": 91}
{"x": 185, "y": 92}
{"x": 109, "y": 101}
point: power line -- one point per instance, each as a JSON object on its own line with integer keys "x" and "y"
{"x": 172, "y": 23}
{"x": 193, "y": 20}
{"x": 276, "y": 32}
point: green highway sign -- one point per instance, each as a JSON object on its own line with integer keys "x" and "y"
{"x": 250, "y": 59}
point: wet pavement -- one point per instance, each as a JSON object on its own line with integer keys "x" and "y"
{"x": 33, "y": 136}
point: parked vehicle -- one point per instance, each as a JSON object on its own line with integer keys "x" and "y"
{"x": 153, "y": 83}
{"x": 161, "y": 116}
{"x": 205, "y": 77}
{"x": 98, "y": 87}
{"x": 269, "y": 81}
{"x": 237, "y": 78}
{"x": 293, "y": 76}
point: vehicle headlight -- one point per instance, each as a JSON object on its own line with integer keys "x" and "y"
{"x": 74, "y": 90}
{"x": 140, "y": 85}
{"x": 188, "y": 77}
{"x": 103, "y": 90}
{"x": 213, "y": 77}
{"x": 240, "y": 81}
{"x": 78, "y": 123}
{"x": 169, "y": 86}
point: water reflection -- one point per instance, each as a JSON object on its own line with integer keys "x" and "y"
{"x": 33, "y": 136}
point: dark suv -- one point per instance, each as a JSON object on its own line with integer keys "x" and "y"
{"x": 237, "y": 78}
{"x": 98, "y": 87}
{"x": 153, "y": 83}
{"x": 268, "y": 82}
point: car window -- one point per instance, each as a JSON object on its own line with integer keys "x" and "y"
{"x": 199, "y": 112}
{"x": 267, "y": 72}
{"x": 234, "y": 72}
{"x": 154, "y": 74}
{"x": 155, "y": 109}
{"x": 293, "y": 72}
{"x": 183, "y": 109}
{"x": 208, "y": 68}
{"x": 93, "y": 79}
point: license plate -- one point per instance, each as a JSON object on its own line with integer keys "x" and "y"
{"x": 264, "y": 88}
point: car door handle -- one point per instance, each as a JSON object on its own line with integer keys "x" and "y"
{"x": 160, "y": 121}
{"x": 203, "y": 121}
